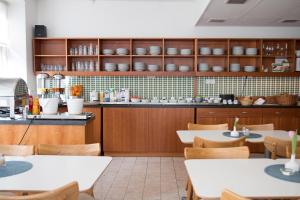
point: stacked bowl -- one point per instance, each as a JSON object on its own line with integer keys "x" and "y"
{"x": 205, "y": 51}
{"x": 184, "y": 68}
{"x": 123, "y": 67}
{"x": 153, "y": 67}
{"x": 237, "y": 50}
{"x": 110, "y": 67}
{"x": 217, "y": 68}
{"x": 139, "y": 66}
{"x": 203, "y": 67}
{"x": 154, "y": 50}
{"x": 122, "y": 51}
{"x": 235, "y": 67}
{"x": 140, "y": 51}
{"x": 251, "y": 51}
{"x": 249, "y": 68}
{"x": 171, "y": 51}
{"x": 218, "y": 51}
{"x": 108, "y": 52}
{"x": 185, "y": 52}
{"x": 170, "y": 67}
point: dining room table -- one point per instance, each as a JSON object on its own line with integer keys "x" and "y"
{"x": 247, "y": 177}
{"x": 187, "y": 136}
{"x": 48, "y": 172}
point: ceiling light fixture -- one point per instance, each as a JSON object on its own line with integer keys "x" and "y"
{"x": 289, "y": 21}
{"x": 216, "y": 20}
{"x": 235, "y": 1}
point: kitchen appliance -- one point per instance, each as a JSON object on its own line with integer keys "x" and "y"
{"x": 13, "y": 94}
{"x": 40, "y": 31}
{"x": 227, "y": 97}
{"x": 42, "y": 89}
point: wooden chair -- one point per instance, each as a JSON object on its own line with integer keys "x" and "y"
{"x": 278, "y": 147}
{"x": 288, "y": 151}
{"x": 203, "y": 143}
{"x": 259, "y": 146}
{"x": 229, "y": 195}
{"x": 67, "y": 192}
{"x": 213, "y": 153}
{"x": 16, "y": 150}
{"x": 192, "y": 126}
{"x": 74, "y": 150}
{"x": 256, "y": 127}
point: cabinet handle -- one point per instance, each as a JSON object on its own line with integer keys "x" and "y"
{"x": 211, "y": 112}
{"x": 244, "y": 112}
{"x": 277, "y": 113}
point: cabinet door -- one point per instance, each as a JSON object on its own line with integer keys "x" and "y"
{"x": 95, "y": 133}
{"x": 283, "y": 119}
{"x": 248, "y": 115}
{"x": 215, "y": 116}
{"x": 125, "y": 130}
{"x": 163, "y": 124}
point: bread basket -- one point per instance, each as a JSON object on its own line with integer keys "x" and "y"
{"x": 246, "y": 101}
{"x": 286, "y": 99}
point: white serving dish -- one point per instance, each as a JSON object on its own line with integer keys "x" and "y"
{"x": 235, "y": 67}
{"x": 75, "y": 106}
{"x": 153, "y": 67}
{"x": 185, "y": 51}
{"x": 122, "y": 51}
{"x": 251, "y": 51}
{"x": 203, "y": 67}
{"x": 49, "y": 105}
{"x": 249, "y": 68}
{"x": 205, "y": 51}
{"x": 172, "y": 51}
{"x": 171, "y": 67}
{"x": 217, "y": 68}
{"x": 184, "y": 68}
{"x": 154, "y": 50}
{"x": 110, "y": 67}
{"x": 108, "y": 52}
{"x": 218, "y": 51}
{"x": 237, "y": 50}
{"x": 123, "y": 67}
{"x": 140, "y": 51}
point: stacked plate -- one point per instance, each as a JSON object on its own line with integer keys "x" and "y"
{"x": 153, "y": 67}
{"x": 217, "y": 68}
{"x": 251, "y": 51}
{"x": 249, "y": 68}
{"x": 235, "y": 67}
{"x": 140, "y": 51}
{"x": 154, "y": 50}
{"x": 203, "y": 67}
{"x": 171, "y": 51}
{"x": 184, "y": 68}
{"x": 123, "y": 67}
{"x": 237, "y": 50}
{"x": 185, "y": 52}
{"x": 122, "y": 51}
{"x": 139, "y": 66}
{"x": 110, "y": 67}
{"x": 218, "y": 51}
{"x": 205, "y": 51}
{"x": 171, "y": 67}
{"x": 108, "y": 52}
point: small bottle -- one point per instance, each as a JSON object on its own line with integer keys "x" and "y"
{"x": 30, "y": 101}
{"x": 25, "y": 112}
{"x": 36, "y": 106}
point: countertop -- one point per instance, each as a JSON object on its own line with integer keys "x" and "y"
{"x": 20, "y": 120}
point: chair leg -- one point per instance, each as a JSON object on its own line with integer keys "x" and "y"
{"x": 189, "y": 191}
{"x": 195, "y": 197}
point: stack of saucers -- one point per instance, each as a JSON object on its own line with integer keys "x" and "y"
{"x": 108, "y": 52}
{"x": 123, "y": 67}
{"x": 153, "y": 67}
{"x": 171, "y": 67}
{"x": 185, "y": 52}
{"x": 218, "y": 51}
{"x": 184, "y": 68}
{"x": 122, "y": 51}
{"x": 205, "y": 51}
{"x": 203, "y": 67}
{"x": 251, "y": 51}
{"x": 154, "y": 50}
{"x": 172, "y": 51}
{"x": 237, "y": 50}
{"x": 249, "y": 68}
{"x": 139, "y": 66}
{"x": 235, "y": 67}
{"x": 140, "y": 51}
{"x": 110, "y": 67}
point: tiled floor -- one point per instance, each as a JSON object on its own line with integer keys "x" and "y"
{"x": 142, "y": 178}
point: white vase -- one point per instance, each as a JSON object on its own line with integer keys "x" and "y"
{"x": 2, "y": 160}
{"x": 234, "y": 133}
{"x": 292, "y": 164}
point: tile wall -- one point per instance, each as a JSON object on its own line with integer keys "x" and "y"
{"x": 148, "y": 87}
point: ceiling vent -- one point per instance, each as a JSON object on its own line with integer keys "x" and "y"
{"x": 235, "y": 1}
{"x": 288, "y": 21}
{"x": 216, "y": 20}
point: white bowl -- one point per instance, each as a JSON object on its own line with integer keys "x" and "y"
{"x": 251, "y": 51}
{"x": 49, "y": 105}
{"x": 135, "y": 100}
{"x": 297, "y": 52}
{"x": 203, "y": 67}
{"x": 235, "y": 67}
{"x": 217, "y": 68}
{"x": 153, "y": 67}
{"x": 75, "y": 106}
{"x": 123, "y": 67}
{"x": 140, "y": 51}
{"x": 184, "y": 68}
{"x": 237, "y": 50}
{"x": 205, "y": 51}
{"x": 170, "y": 67}
{"x": 172, "y": 51}
{"x": 185, "y": 51}
{"x": 122, "y": 51}
{"x": 218, "y": 51}
{"x": 108, "y": 52}
{"x": 110, "y": 67}
{"x": 249, "y": 68}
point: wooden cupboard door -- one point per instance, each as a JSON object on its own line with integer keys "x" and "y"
{"x": 125, "y": 130}
{"x": 95, "y": 132}
{"x": 163, "y": 124}
{"x": 214, "y": 116}
{"x": 297, "y": 120}
{"x": 283, "y": 118}
{"x": 248, "y": 116}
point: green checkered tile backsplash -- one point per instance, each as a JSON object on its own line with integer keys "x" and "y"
{"x": 252, "y": 86}
{"x": 148, "y": 87}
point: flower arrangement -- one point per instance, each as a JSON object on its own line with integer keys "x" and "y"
{"x": 236, "y": 120}
{"x": 294, "y": 137}
{"x": 234, "y": 133}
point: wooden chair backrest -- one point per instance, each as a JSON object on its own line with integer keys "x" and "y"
{"x": 257, "y": 127}
{"x": 289, "y": 151}
{"x": 203, "y": 143}
{"x": 75, "y": 150}
{"x": 192, "y": 126}
{"x": 229, "y": 195}
{"x": 216, "y": 153}
{"x": 277, "y": 147}
{"x": 16, "y": 150}
{"x": 67, "y": 192}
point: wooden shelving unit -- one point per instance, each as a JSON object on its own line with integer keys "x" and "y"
{"x": 60, "y": 52}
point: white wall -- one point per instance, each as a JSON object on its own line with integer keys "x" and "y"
{"x": 139, "y": 18}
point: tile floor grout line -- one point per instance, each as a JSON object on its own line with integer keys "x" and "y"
{"x": 145, "y": 178}
{"x": 176, "y": 179}
{"x": 129, "y": 179}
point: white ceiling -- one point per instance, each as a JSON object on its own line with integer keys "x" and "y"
{"x": 251, "y": 13}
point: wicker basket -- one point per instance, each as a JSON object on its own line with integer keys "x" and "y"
{"x": 271, "y": 100}
{"x": 286, "y": 99}
{"x": 246, "y": 101}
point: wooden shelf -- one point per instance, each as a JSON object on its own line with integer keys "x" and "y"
{"x": 54, "y": 51}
